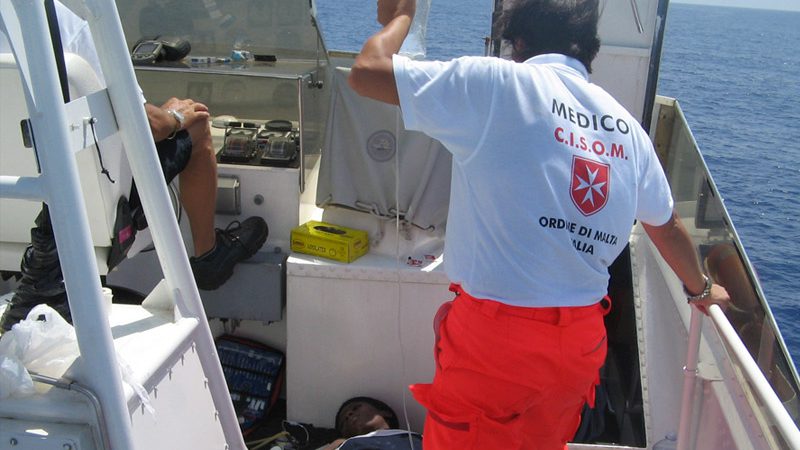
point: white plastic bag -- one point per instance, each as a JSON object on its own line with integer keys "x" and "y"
{"x": 414, "y": 45}
{"x": 47, "y": 347}
{"x": 14, "y": 378}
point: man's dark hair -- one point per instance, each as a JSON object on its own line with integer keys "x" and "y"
{"x": 568, "y": 27}
{"x": 385, "y": 410}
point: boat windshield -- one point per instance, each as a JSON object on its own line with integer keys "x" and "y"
{"x": 216, "y": 28}
{"x": 703, "y": 213}
{"x": 288, "y": 30}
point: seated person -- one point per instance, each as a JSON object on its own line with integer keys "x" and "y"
{"x": 183, "y": 140}
{"x": 368, "y": 423}
{"x": 182, "y": 134}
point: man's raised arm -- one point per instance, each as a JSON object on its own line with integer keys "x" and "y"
{"x": 372, "y": 74}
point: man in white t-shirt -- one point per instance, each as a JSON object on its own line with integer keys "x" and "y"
{"x": 181, "y": 130}
{"x": 549, "y": 175}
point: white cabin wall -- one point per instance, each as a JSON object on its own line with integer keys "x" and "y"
{"x": 623, "y": 63}
{"x": 354, "y": 330}
{"x": 658, "y": 323}
{"x": 622, "y": 71}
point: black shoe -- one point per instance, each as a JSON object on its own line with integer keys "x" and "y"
{"x": 235, "y": 243}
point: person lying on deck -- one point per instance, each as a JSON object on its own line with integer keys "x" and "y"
{"x": 368, "y": 423}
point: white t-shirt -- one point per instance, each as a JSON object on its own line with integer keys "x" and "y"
{"x": 549, "y": 173}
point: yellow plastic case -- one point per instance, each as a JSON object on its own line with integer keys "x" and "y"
{"x": 330, "y": 241}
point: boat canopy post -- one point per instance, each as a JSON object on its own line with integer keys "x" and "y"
{"x": 60, "y": 188}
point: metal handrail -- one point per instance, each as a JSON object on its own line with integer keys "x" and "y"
{"x": 86, "y": 392}
{"x": 772, "y": 404}
{"x": 782, "y": 421}
{"x": 59, "y": 187}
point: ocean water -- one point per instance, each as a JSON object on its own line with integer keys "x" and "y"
{"x": 736, "y": 73}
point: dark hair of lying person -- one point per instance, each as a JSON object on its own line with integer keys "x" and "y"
{"x": 354, "y": 416}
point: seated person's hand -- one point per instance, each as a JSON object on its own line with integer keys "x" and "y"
{"x": 192, "y": 111}
{"x": 164, "y": 124}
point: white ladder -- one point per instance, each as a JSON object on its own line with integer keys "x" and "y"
{"x": 58, "y": 186}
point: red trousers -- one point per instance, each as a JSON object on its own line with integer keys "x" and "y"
{"x": 510, "y": 377}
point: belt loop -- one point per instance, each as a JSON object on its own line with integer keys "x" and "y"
{"x": 564, "y": 316}
{"x": 455, "y": 288}
{"x": 605, "y": 305}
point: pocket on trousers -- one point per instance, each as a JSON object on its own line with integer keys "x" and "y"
{"x": 450, "y": 432}
{"x": 474, "y": 432}
{"x": 465, "y": 429}
{"x": 592, "y": 339}
{"x": 598, "y": 346}
{"x": 594, "y": 352}
{"x": 584, "y": 358}
{"x": 491, "y": 431}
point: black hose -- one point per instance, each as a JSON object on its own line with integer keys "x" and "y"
{"x": 42, "y": 280}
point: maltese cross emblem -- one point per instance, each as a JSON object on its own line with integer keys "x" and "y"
{"x": 589, "y": 187}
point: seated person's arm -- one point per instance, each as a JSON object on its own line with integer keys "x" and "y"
{"x": 163, "y": 124}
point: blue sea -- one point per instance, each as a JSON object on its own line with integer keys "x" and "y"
{"x": 736, "y": 73}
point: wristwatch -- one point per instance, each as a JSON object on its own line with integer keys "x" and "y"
{"x": 179, "y": 118}
{"x": 706, "y": 291}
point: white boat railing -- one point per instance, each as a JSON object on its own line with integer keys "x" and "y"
{"x": 59, "y": 187}
{"x": 781, "y": 420}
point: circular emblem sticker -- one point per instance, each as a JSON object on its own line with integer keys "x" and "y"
{"x": 381, "y": 146}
